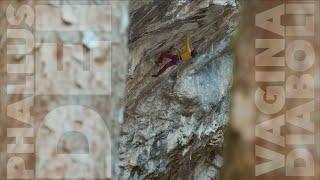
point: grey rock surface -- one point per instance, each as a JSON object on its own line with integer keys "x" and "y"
{"x": 174, "y": 124}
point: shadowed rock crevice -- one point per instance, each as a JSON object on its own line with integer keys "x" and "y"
{"x": 174, "y": 124}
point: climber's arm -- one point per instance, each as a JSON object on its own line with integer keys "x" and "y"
{"x": 187, "y": 44}
{"x": 177, "y": 51}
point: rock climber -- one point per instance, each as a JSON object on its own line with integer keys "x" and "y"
{"x": 186, "y": 54}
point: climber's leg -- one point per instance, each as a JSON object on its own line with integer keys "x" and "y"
{"x": 164, "y": 56}
{"x": 173, "y": 62}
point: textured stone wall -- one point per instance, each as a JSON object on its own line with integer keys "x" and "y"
{"x": 174, "y": 124}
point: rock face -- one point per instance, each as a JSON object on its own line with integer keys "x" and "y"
{"x": 174, "y": 124}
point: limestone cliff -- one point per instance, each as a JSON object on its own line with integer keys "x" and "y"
{"x": 174, "y": 124}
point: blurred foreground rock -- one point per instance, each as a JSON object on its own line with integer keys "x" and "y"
{"x": 79, "y": 80}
